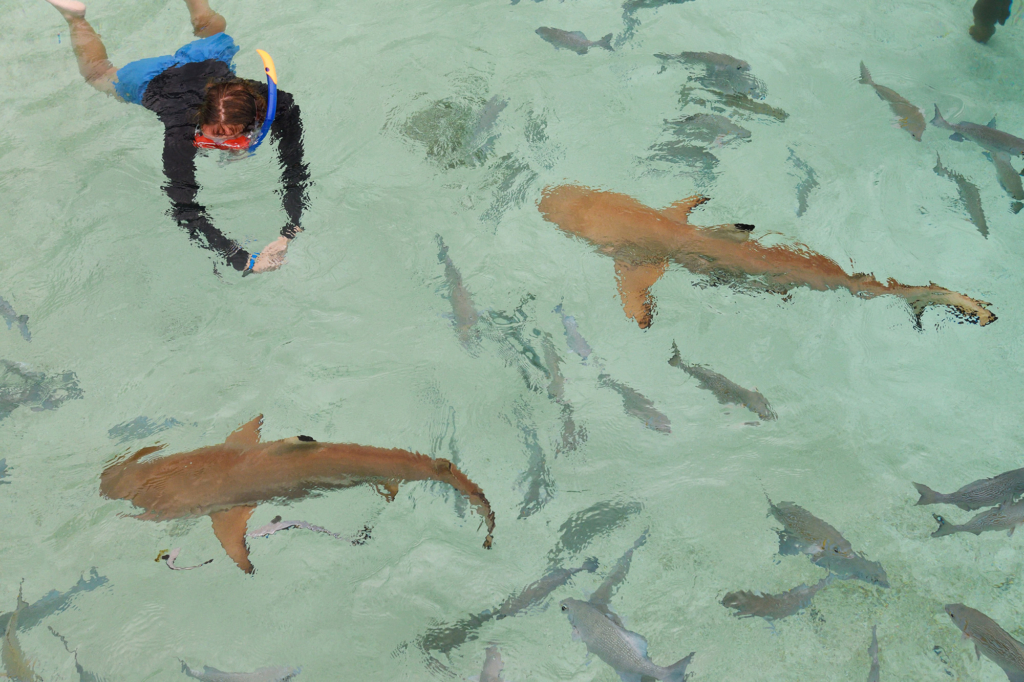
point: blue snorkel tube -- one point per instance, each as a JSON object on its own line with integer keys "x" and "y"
{"x": 268, "y": 120}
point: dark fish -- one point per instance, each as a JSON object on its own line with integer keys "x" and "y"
{"x": 873, "y": 653}
{"x": 723, "y": 73}
{"x": 464, "y": 314}
{"x": 707, "y": 129}
{"x": 537, "y": 591}
{"x": 270, "y": 674}
{"x": 572, "y": 436}
{"x": 726, "y": 391}
{"x": 745, "y": 103}
{"x": 985, "y": 492}
{"x": 970, "y": 197}
{"x": 909, "y": 116}
{"x": 53, "y": 602}
{"x": 807, "y": 182}
{"x": 987, "y": 136}
{"x": 83, "y": 674}
{"x": 597, "y": 520}
{"x": 537, "y": 477}
{"x": 804, "y": 533}
{"x": 573, "y": 40}
{"x": 1009, "y": 179}
{"x": 22, "y": 386}
{"x": 447, "y": 638}
{"x": 1004, "y": 517}
{"x": 140, "y": 428}
{"x": 773, "y": 606}
{"x": 989, "y": 639}
{"x": 602, "y": 596}
{"x": 637, "y": 405}
{"x": 12, "y": 318}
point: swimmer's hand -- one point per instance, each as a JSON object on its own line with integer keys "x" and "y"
{"x": 273, "y": 254}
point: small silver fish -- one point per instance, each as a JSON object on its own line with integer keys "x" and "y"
{"x": 873, "y": 653}
{"x": 637, "y": 405}
{"x": 985, "y": 492}
{"x": 577, "y": 344}
{"x": 909, "y": 116}
{"x": 623, "y": 650}
{"x": 597, "y": 520}
{"x": 855, "y": 567}
{"x": 276, "y": 525}
{"x": 1004, "y": 517}
{"x": 208, "y": 674}
{"x": 493, "y": 665}
{"x": 11, "y": 318}
{"x": 15, "y": 663}
{"x": 987, "y": 136}
{"x": 773, "y": 606}
{"x": 172, "y": 556}
{"x": 725, "y": 390}
{"x": 970, "y": 197}
{"x": 989, "y": 639}
{"x": 463, "y": 311}
{"x": 573, "y": 40}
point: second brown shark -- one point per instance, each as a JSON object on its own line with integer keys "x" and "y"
{"x": 227, "y": 481}
{"x": 644, "y": 241}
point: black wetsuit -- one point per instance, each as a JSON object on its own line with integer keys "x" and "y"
{"x": 175, "y": 96}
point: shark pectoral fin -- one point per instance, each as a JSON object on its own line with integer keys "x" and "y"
{"x": 680, "y": 210}
{"x": 739, "y": 233}
{"x": 229, "y": 526}
{"x": 634, "y": 281}
{"x": 247, "y": 434}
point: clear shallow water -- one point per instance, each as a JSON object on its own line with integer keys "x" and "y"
{"x": 348, "y": 342}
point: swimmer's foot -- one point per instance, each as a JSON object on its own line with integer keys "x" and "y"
{"x": 69, "y": 8}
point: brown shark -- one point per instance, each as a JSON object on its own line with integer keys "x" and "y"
{"x": 644, "y": 241}
{"x": 227, "y": 481}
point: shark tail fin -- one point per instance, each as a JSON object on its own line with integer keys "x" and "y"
{"x": 928, "y": 496}
{"x": 865, "y": 75}
{"x": 939, "y": 121}
{"x": 945, "y": 528}
{"x": 606, "y": 43}
{"x": 677, "y": 671}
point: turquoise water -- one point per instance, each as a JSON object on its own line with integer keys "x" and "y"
{"x": 349, "y": 341}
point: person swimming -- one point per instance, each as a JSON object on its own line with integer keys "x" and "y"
{"x": 204, "y": 106}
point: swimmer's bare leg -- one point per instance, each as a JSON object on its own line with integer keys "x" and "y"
{"x": 205, "y": 22}
{"x": 93, "y": 64}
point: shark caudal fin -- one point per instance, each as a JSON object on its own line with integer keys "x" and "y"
{"x": 865, "y": 75}
{"x": 606, "y": 43}
{"x": 928, "y": 496}
{"x": 677, "y": 671}
{"x": 945, "y": 528}
{"x": 634, "y": 282}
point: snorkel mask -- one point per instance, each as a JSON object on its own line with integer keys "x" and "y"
{"x": 248, "y": 141}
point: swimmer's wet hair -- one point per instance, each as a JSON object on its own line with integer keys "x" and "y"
{"x": 232, "y": 102}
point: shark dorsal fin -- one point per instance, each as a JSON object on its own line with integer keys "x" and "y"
{"x": 247, "y": 434}
{"x": 229, "y": 526}
{"x": 992, "y": 123}
{"x": 635, "y": 281}
{"x": 680, "y": 210}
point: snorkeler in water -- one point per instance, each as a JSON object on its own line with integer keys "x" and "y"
{"x": 203, "y": 105}
{"x": 986, "y": 14}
